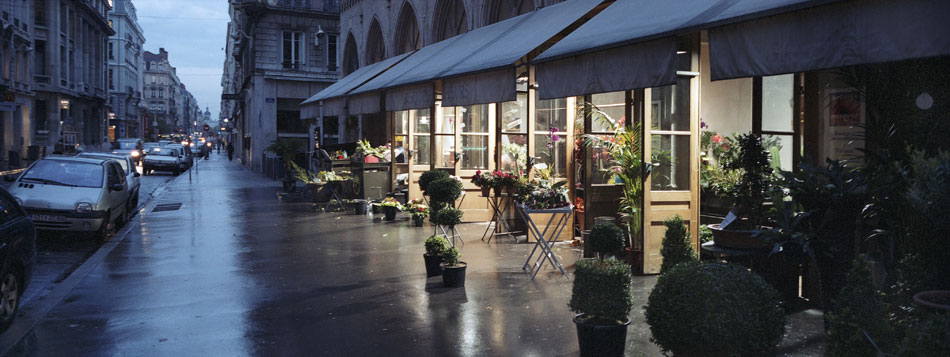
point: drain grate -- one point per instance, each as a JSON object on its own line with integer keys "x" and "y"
{"x": 166, "y": 207}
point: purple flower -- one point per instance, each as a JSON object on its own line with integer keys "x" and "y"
{"x": 702, "y": 124}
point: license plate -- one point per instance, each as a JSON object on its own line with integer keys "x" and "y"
{"x": 48, "y": 218}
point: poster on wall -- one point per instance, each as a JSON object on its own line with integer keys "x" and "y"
{"x": 845, "y": 117}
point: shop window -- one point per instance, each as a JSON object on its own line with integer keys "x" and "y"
{"x": 514, "y": 134}
{"x": 607, "y": 115}
{"x": 445, "y": 138}
{"x": 331, "y": 130}
{"x": 422, "y": 153}
{"x": 401, "y": 133}
{"x": 670, "y": 139}
{"x": 474, "y": 135}
{"x": 550, "y": 143}
{"x": 777, "y": 126}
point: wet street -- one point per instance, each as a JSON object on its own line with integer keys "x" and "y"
{"x": 218, "y": 265}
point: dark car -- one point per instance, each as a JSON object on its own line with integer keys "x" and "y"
{"x": 17, "y": 256}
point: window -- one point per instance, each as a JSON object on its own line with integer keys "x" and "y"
{"x": 422, "y": 154}
{"x": 293, "y": 50}
{"x": 514, "y": 134}
{"x": 474, "y": 135}
{"x": 607, "y": 114}
{"x": 40, "y": 115}
{"x": 39, "y": 58}
{"x": 331, "y": 52}
{"x": 550, "y": 142}
{"x": 111, "y": 82}
{"x": 445, "y": 138}
{"x": 111, "y": 45}
{"x": 161, "y": 92}
{"x": 331, "y": 130}
{"x": 288, "y": 117}
{"x": 670, "y": 137}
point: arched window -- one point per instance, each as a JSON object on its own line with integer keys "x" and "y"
{"x": 351, "y": 59}
{"x": 501, "y": 10}
{"x": 450, "y": 19}
{"x": 375, "y": 47}
{"x": 407, "y": 31}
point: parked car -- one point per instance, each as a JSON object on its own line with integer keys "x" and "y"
{"x": 187, "y": 157}
{"x": 74, "y": 194}
{"x": 17, "y": 256}
{"x": 133, "y": 148}
{"x": 130, "y": 171}
{"x": 165, "y": 159}
{"x": 162, "y": 143}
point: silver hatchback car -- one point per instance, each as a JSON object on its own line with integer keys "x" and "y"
{"x": 74, "y": 194}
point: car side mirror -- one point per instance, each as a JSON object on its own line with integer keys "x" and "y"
{"x": 9, "y": 178}
{"x": 116, "y": 187}
{"x": 136, "y": 174}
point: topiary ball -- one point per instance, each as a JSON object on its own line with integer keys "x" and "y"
{"x": 445, "y": 190}
{"x": 427, "y": 177}
{"x": 449, "y": 217}
{"x": 606, "y": 238}
{"x": 714, "y": 310}
{"x": 602, "y": 290}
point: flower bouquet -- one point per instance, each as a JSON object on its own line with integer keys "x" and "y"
{"x": 485, "y": 181}
{"x": 504, "y": 181}
{"x": 418, "y": 211}
{"x": 390, "y": 208}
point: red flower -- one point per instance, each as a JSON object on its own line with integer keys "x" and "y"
{"x": 717, "y": 138}
{"x": 725, "y": 146}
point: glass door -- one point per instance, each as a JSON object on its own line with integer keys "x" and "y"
{"x": 420, "y": 144}
{"x": 670, "y": 131}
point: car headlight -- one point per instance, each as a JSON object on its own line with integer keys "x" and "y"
{"x": 135, "y": 154}
{"x": 84, "y": 207}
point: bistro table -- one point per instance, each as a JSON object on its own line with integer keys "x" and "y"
{"x": 560, "y": 217}
{"x": 499, "y": 205}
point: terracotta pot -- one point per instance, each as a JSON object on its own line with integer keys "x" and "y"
{"x": 737, "y": 239}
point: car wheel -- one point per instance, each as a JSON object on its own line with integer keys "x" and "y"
{"x": 10, "y": 293}
{"x": 100, "y": 235}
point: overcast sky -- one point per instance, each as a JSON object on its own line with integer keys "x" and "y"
{"x": 193, "y": 32}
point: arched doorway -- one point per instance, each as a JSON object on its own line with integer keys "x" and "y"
{"x": 450, "y": 19}
{"x": 501, "y": 10}
{"x": 375, "y": 47}
{"x": 407, "y": 31}
{"x": 351, "y": 59}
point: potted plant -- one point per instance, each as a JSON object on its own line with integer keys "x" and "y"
{"x": 308, "y": 178}
{"x": 418, "y": 211}
{"x": 748, "y": 216}
{"x": 485, "y": 181}
{"x": 449, "y": 217}
{"x": 430, "y": 176}
{"x": 602, "y": 296}
{"x": 504, "y": 182}
{"x": 676, "y": 245}
{"x": 435, "y": 245}
{"x": 362, "y": 206}
{"x": 442, "y": 193}
{"x": 368, "y": 152}
{"x": 286, "y": 149}
{"x": 453, "y": 268}
{"x": 390, "y": 207}
{"x": 699, "y": 309}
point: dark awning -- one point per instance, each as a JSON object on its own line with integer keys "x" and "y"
{"x": 835, "y": 35}
{"x": 333, "y": 95}
{"x": 631, "y": 44}
{"x": 487, "y": 54}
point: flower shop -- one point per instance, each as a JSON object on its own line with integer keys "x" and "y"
{"x": 789, "y": 135}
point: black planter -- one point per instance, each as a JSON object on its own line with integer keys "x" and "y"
{"x": 418, "y": 220}
{"x": 432, "y": 265}
{"x": 361, "y": 206}
{"x": 390, "y": 213}
{"x": 453, "y": 276}
{"x": 375, "y": 209}
{"x": 289, "y": 186}
{"x": 600, "y": 340}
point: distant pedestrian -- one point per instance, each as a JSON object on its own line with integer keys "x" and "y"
{"x": 218, "y": 145}
{"x": 230, "y": 151}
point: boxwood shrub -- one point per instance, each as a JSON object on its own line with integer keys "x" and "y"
{"x": 449, "y": 217}
{"x": 444, "y": 190}
{"x": 429, "y": 176}
{"x": 602, "y": 290}
{"x": 606, "y": 238}
{"x": 714, "y": 310}
{"x": 676, "y": 245}
{"x": 435, "y": 245}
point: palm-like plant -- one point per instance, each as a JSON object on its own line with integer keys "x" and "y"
{"x": 286, "y": 149}
{"x": 626, "y": 152}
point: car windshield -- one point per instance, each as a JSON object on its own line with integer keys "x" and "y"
{"x": 128, "y": 145}
{"x": 122, "y": 162}
{"x": 168, "y": 152}
{"x": 64, "y": 173}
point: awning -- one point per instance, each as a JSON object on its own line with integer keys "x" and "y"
{"x": 365, "y": 103}
{"x": 492, "y": 50}
{"x": 345, "y": 85}
{"x": 417, "y": 96}
{"x": 631, "y": 44}
{"x": 835, "y": 35}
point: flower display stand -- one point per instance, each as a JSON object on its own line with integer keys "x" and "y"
{"x": 559, "y": 218}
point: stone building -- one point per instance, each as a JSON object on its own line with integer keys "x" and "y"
{"x": 16, "y": 103}
{"x": 70, "y": 64}
{"x": 125, "y": 71}
{"x": 165, "y": 96}
{"x": 279, "y": 53}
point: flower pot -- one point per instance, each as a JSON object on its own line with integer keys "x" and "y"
{"x": 453, "y": 276}
{"x": 375, "y": 209}
{"x": 370, "y": 159}
{"x": 737, "y": 239}
{"x": 390, "y": 213}
{"x": 499, "y": 191}
{"x": 289, "y": 186}
{"x": 934, "y": 300}
{"x": 600, "y": 340}
{"x": 433, "y": 263}
{"x": 362, "y": 206}
{"x": 486, "y": 191}
{"x": 418, "y": 220}
{"x": 510, "y": 191}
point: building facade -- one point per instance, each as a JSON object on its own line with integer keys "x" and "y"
{"x": 125, "y": 71}
{"x": 279, "y": 53}
{"x": 17, "y": 101}
{"x": 165, "y": 97}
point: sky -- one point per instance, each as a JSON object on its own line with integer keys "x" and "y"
{"x": 193, "y": 32}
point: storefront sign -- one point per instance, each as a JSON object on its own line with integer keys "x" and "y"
{"x": 845, "y": 115}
